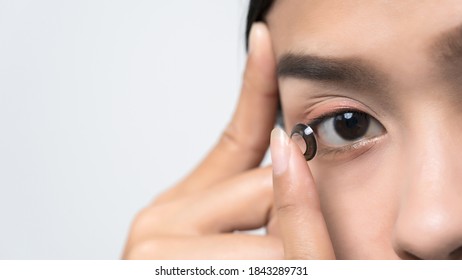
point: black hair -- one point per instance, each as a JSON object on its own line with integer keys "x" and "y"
{"x": 257, "y": 12}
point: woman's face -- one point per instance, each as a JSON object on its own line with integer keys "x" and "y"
{"x": 381, "y": 82}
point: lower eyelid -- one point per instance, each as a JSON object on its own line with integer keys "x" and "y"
{"x": 351, "y": 151}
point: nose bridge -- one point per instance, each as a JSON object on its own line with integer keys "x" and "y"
{"x": 430, "y": 155}
{"x": 429, "y": 222}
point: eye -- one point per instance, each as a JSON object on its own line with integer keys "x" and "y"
{"x": 345, "y": 128}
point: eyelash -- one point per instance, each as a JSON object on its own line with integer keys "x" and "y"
{"x": 328, "y": 151}
{"x": 334, "y": 151}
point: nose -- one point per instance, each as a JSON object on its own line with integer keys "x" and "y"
{"x": 429, "y": 220}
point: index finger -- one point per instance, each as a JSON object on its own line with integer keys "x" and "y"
{"x": 246, "y": 138}
{"x": 301, "y": 223}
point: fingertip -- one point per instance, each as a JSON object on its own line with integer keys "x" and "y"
{"x": 286, "y": 155}
{"x": 280, "y": 150}
{"x": 261, "y": 51}
{"x": 298, "y": 167}
{"x": 291, "y": 173}
{"x": 258, "y": 31}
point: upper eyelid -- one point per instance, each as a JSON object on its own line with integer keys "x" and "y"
{"x": 346, "y": 102}
{"x": 322, "y": 106}
{"x": 314, "y": 122}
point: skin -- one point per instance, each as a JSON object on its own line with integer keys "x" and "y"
{"x": 397, "y": 195}
{"x": 400, "y": 197}
{"x": 227, "y": 191}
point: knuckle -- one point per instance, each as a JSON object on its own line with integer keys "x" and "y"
{"x": 159, "y": 220}
{"x": 230, "y": 136}
{"x": 286, "y": 207}
{"x": 145, "y": 250}
{"x": 142, "y": 216}
{"x": 146, "y": 218}
{"x": 287, "y": 200}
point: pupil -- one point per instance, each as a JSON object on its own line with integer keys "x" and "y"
{"x": 351, "y": 125}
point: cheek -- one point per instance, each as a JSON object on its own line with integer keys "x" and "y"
{"x": 359, "y": 202}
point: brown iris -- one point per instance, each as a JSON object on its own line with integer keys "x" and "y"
{"x": 351, "y": 125}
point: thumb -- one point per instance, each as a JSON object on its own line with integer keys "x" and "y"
{"x": 246, "y": 138}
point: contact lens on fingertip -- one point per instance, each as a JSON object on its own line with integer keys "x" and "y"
{"x": 304, "y": 137}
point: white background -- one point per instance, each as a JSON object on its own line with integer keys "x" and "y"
{"x": 148, "y": 270}
{"x": 103, "y": 104}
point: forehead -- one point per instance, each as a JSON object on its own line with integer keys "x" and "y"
{"x": 360, "y": 25}
{"x": 394, "y": 34}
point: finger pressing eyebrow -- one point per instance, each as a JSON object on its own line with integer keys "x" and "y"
{"x": 352, "y": 73}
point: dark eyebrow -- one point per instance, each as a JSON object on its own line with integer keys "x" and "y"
{"x": 351, "y": 73}
{"x": 448, "y": 46}
{"x": 447, "y": 49}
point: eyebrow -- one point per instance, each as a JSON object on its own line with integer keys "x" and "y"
{"x": 447, "y": 49}
{"x": 448, "y": 45}
{"x": 352, "y": 73}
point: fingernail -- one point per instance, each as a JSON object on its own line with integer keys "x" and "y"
{"x": 255, "y": 32}
{"x": 280, "y": 150}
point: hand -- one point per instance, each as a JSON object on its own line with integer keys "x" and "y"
{"x": 226, "y": 192}
{"x": 302, "y": 226}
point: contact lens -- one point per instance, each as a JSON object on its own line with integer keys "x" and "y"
{"x": 304, "y": 137}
